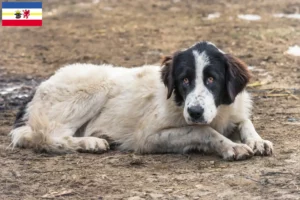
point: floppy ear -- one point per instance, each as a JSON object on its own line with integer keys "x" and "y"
{"x": 167, "y": 74}
{"x": 237, "y": 77}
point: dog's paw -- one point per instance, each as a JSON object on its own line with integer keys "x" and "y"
{"x": 260, "y": 147}
{"x": 92, "y": 145}
{"x": 237, "y": 152}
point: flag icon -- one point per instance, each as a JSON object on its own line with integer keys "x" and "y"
{"x": 22, "y": 14}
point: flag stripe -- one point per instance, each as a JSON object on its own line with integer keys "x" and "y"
{"x": 22, "y": 18}
{"x": 13, "y": 14}
{"x": 22, "y": 22}
{"x": 22, "y": 5}
{"x": 36, "y": 10}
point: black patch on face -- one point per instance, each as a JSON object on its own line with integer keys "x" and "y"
{"x": 215, "y": 70}
{"x": 20, "y": 120}
{"x": 184, "y": 67}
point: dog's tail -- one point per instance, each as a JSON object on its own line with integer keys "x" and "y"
{"x": 38, "y": 133}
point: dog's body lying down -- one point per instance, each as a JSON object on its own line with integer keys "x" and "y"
{"x": 129, "y": 106}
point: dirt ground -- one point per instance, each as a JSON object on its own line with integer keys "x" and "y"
{"x": 135, "y": 32}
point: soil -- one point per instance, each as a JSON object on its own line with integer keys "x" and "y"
{"x": 132, "y": 33}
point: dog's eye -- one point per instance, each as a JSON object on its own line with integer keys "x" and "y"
{"x": 210, "y": 80}
{"x": 186, "y": 81}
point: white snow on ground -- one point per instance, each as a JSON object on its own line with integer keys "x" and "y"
{"x": 255, "y": 69}
{"x": 9, "y": 90}
{"x": 250, "y": 17}
{"x": 213, "y": 15}
{"x": 291, "y": 16}
{"x": 251, "y": 68}
{"x": 21, "y": 96}
{"x": 293, "y": 50}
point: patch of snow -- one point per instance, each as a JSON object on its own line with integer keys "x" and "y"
{"x": 255, "y": 69}
{"x": 213, "y": 15}
{"x": 51, "y": 12}
{"x": 251, "y": 68}
{"x": 107, "y": 8}
{"x": 293, "y": 50}
{"x": 95, "y": 1}
{"x": 291, "y": 16}
{"x": 250, "y": 17}
{"x": 264, "y": 74}
{"x": 9, "y": 90}
{"x": 21, "y": 96}
{"x": 85, "y": 4}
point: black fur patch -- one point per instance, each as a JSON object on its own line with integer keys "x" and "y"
{"x": 20, "y": 118}
{"x": 80, "y": 132}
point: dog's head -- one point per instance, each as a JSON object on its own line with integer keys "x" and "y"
{"x": 202, "y": 78}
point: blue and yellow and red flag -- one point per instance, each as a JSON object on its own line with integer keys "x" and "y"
{"x": 22, "y": 14}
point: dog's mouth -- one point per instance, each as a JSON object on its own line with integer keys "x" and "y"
{"x": 191, "y": 121}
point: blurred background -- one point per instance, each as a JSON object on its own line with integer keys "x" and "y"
{"x": 265, "y": 34}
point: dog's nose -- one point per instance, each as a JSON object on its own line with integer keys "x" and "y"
{"x": 196, "y": 112}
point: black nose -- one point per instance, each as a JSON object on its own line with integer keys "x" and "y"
{"x": 196, "y": 112}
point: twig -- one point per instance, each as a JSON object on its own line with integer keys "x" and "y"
{"x": 255, "y": 84}
{"x": 253, "y": 180}
{"x": 291, "y": 123}
{"x": 274, "y": 173}
{"x": 292, "y": 90}
{"x": 276, "y": 95}
{"x": 42, "y": 172}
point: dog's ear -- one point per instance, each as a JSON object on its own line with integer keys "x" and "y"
{"x": 237, "y": 77}
{"x": 167, "y": 74}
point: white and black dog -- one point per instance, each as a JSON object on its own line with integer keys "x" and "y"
{"x": 85, "y": 107}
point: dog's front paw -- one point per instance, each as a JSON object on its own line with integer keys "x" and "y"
{"x": 260, "y": 147}
{"x": 92, "y": 145}
{"x": 237, "y": 152}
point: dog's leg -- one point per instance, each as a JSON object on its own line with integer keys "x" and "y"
{"x": 203, "y": 138}
{"x": 58, "y": 139}
{"x": 88, "y": 144}
{"x": 62, "y": 139}
{"x": 250, "y": 137}
{"x": 52, "y": 129}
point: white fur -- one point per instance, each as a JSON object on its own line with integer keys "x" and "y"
{"x": 200, "y": 96}
{"x": 127, "y": 106}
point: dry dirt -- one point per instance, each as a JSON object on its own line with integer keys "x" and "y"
{"x": 132, "y": 33}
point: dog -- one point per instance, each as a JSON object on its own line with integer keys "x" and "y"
{"x": 193, "y": 101}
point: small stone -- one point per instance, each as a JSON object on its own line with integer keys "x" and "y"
{"x": 135, "y": 198}
{"x": 290, "y": 161}
{"x": 16, "y": 174}
{"x": 291, "y": 119}
{"x": 155, "y": 195}
{"x": 28, "y": 77}
{"x": 228, "y": 176}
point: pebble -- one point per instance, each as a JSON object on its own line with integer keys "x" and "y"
{"x": 155, "y": 195}
{"x": 291, "y": 119}
{"x": 135, "y": 198}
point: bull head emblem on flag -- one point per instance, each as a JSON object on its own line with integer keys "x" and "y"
{"x": 18, "y": 14}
